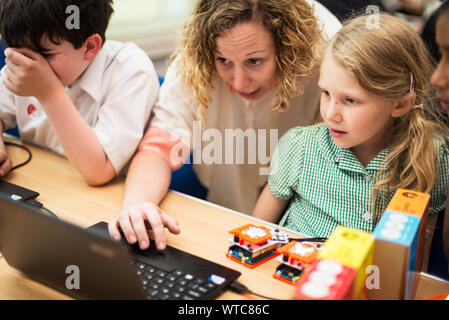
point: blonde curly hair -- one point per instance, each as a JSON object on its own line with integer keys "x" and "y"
{"x": 292, "y": 23}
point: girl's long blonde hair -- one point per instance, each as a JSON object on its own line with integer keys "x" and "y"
{"x": 292, "y": 23}
{"x": 383, "y": 58}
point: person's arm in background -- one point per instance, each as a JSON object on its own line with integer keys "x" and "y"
{"x": 147, "y": 183}
{"x": 268, "y": 207}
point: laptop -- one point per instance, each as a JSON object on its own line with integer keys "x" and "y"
{"x": 16, "y": 192}
{"x": 88, "y": 264}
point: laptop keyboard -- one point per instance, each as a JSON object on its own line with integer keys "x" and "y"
{"x": 174, "y": 285}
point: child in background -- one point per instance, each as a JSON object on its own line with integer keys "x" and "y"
{"x": 440, "y": 79}
{"x": 378, "y": 134}
{"x": 70, "y": 90}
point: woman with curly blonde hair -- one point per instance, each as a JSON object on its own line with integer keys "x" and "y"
{"x": 242, "y": 66}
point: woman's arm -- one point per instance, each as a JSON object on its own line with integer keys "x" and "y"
{"x": 146, "y": 185}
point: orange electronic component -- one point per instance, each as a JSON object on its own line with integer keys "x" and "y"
{"x": 294, "y": 257}
{"x": 253, "y": 245}
{"x": 301, "y": 252}
{"x": 252, "y": 234}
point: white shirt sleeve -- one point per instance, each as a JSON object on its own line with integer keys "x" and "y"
{"x": 176, "y": 109}
{"x": 7, "y": 104}
{"x": 328, "y": 22}
{"x": 123, "y": 116}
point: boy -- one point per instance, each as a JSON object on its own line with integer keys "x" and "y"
{"x": 70, "y": 90}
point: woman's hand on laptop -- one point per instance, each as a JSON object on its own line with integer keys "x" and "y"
{"x": 132, "y": 222}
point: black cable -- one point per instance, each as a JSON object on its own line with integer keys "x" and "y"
{"x": 21, "y": 147}
{"x": 30, "y": 155}
{"x": 41, "y": 206}
{"x": 239, "y": 288}
{"x": 50, "y": 212}
{"x": 319, "y": 239}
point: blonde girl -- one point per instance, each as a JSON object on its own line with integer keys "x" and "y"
{"x": 379, "y": 133}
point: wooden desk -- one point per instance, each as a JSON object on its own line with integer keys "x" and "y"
{"x": 204, "y": 227}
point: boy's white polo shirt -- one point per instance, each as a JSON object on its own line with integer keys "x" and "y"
{"x": 114, "y": 96}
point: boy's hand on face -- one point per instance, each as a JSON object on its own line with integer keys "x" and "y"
{"x": 29, "y": 74}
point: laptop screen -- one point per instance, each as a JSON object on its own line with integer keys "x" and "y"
{"x": 55, "y": 252}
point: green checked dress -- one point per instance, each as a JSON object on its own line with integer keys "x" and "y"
{"x": 328, "y": 186}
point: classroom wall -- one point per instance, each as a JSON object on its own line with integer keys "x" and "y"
{"x": 152, "y": 24}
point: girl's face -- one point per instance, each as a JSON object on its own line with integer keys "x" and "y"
{"x": 356, "y": 118}
{"x": 245, "y": 58}
{"x": 440, "y": 78}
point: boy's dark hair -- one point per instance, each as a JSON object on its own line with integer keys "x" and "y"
{"x": 23, "y": 23}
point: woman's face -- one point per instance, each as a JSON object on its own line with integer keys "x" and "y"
{"x": 245, "y": 58}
